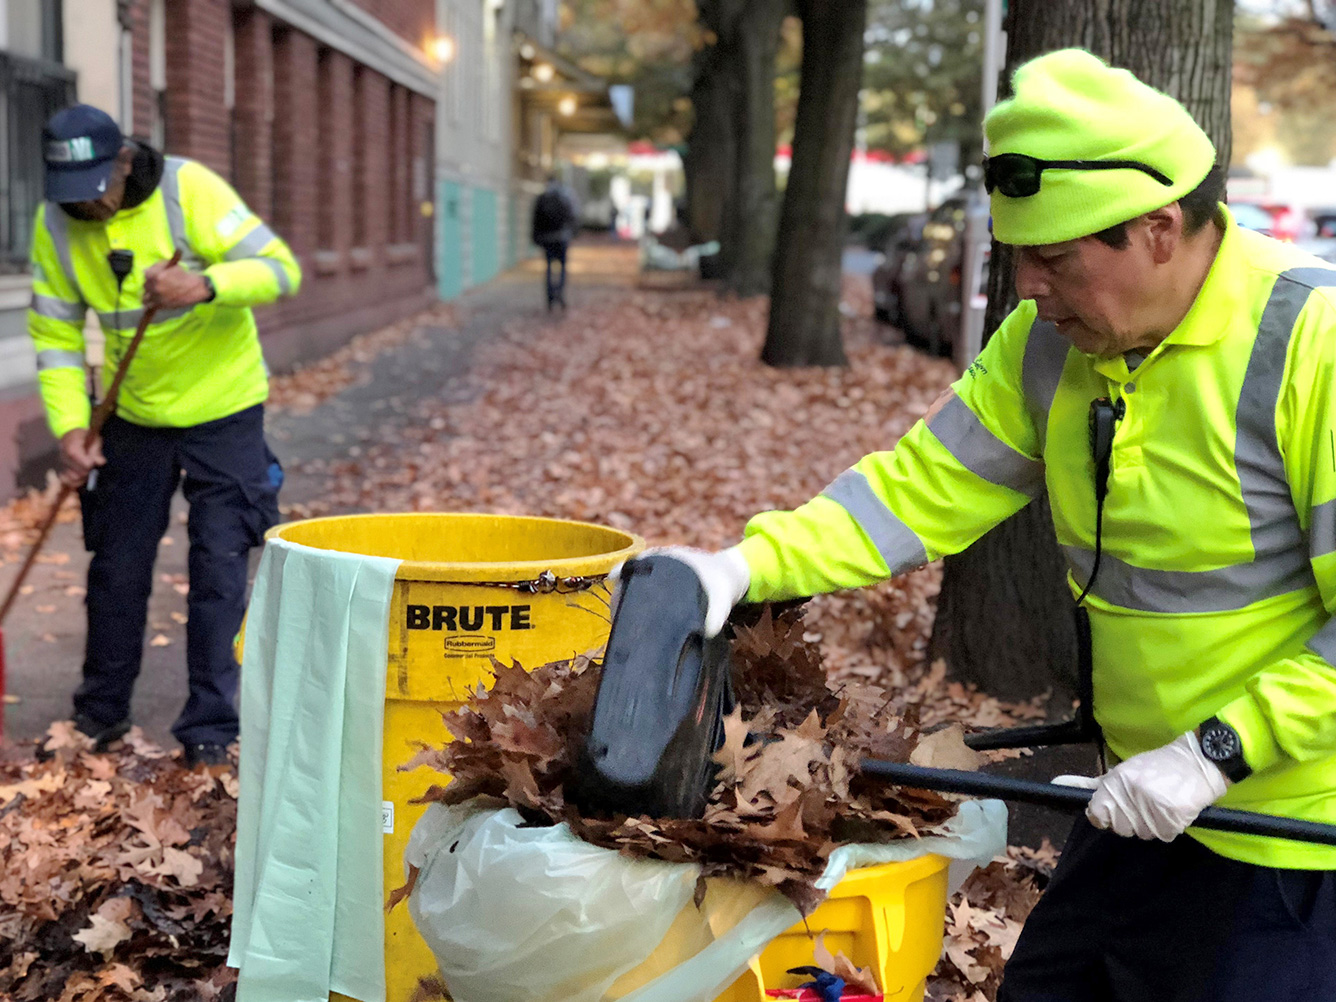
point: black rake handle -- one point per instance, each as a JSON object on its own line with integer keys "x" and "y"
{"x": 1073, "y": 800}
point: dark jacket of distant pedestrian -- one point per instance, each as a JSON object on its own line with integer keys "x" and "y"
{"x": 553, "y": 216}
{"x": 554, "y": 223}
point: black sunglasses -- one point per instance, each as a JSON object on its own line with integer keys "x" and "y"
{"x": 1017, "y": 175}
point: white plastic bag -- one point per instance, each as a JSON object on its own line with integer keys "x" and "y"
{"x": 518, "y": 914}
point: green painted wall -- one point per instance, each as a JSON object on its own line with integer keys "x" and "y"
{"x": 513, "y": 231}
{"x": 483, "y": 231}
{"x": 450, "y": 266}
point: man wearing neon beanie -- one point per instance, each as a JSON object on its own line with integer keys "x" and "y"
{"x": 1207, "y": 566}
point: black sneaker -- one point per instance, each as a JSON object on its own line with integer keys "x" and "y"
{"x": 206, "y": 753}
{"x": 100, "y": 734}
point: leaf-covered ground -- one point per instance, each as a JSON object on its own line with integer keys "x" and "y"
{"x": 642, "y": 409}
{"x": 117, "y": 874}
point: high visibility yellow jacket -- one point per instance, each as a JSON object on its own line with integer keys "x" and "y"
{"x": 1217, "y": 584}
{"x": 195, "y": 364}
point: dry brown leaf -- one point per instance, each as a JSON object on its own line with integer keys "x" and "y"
{"x": 733, "y": 754}
{"x": 945, "y": 749}
{"x": 102, "y": 934}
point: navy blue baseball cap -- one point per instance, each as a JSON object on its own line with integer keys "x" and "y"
{"x": 79, "y": 145}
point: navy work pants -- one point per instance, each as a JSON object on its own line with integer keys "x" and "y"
{"x": 1126, "y": 920}
{"x": 231, "y": 480}
{"x": 555, "y": 250}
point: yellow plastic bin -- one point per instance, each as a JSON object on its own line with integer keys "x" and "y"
{"x": 890, "y": 918}
{"x": 470, "y": 588}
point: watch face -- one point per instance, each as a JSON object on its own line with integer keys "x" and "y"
{"x": 1220, "y": 743}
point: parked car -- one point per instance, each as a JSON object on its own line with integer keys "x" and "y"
{"x": 1286, "y": 222}
{"x": 929, "y": 282}
{"x": 1324, "y": 223}
{"x": 902, "y": 239}
{"x": 1252, "y": 217}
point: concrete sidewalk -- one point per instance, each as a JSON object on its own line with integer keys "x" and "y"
{"x": 44, "y": 635}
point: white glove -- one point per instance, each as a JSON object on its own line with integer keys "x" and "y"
{"x": 724, "y": 576}
{"x": 1156, "y": 794}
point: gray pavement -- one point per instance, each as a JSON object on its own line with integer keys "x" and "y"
{"x": 44, "y": 635}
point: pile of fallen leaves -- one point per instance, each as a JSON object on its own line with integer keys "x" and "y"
{"x": 983, "y": 922}
{"x": 22, "y": 517}
{"x": 117, "y": 873}
{"x": 788, "y": 791}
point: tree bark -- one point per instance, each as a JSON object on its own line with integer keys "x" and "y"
{"x": 1004, "y": 616}
{"x": 804, "y": 324}
{"x": 709, "y": 164}
{"x": 749, "y": 42}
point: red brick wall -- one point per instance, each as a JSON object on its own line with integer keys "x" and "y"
{"x": 198, "y": 123}
{"x": 297, "y": 148}
{"x": 296, "y": 140}
{"x": 401, "y": 194}
{"x": 252, "y": 121}
{"x": 143, "y": 94}
{"x": 412, "y": 20}
{"x": 372, "y": 188}
{"x": 336, "y": 138}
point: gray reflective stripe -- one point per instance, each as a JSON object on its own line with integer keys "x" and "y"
{"x": 176, "y": 219}
{"x": 251, "y": 244}
{"x": 57, "y": 224}
{"x": 895, "y": 541}
{"x": 1041, "y": 370}
{"x": 1263, "y": 484}
{"x": 983, "y": 453}
{"x": 57, "y": 309}
{"x": 1219, "y": 590}
{"x": 129, "y": 319}
{"x": 57, "y": 358}
{"x": 1323, "y": 643}
{"x": 1322, "y": 529}
{"x": 171, "y": 198}
{"x": 280, "y": 273}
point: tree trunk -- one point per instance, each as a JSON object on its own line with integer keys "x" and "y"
{"x": 749, "y": 43}
{"x": 1004, "y": 617}
{"x": 709, "y": 164}
{"x": 805, "y": 298}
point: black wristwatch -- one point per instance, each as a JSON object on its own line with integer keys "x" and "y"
{"x": 1222, "y": 745}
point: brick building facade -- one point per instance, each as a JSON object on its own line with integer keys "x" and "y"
{"x": 320, "y": 112}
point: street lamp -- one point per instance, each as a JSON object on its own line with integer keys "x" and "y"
{"x": 443, "y": 47}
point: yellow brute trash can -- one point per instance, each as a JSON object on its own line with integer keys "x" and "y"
{"x": 470, "y": 588}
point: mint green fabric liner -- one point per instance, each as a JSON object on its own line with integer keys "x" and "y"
{"x": 308, "y": 899}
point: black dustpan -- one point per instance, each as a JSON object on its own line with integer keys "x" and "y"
{"x": 662, "y": 696}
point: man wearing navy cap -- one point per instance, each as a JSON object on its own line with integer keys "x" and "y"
{"x": 191, "y": 408}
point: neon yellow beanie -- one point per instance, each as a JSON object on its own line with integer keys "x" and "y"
{"x": 1071, "y": 105}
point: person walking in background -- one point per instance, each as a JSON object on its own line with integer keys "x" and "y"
{"x": 553, "y": 229}
{"x": 191, "y": 413}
